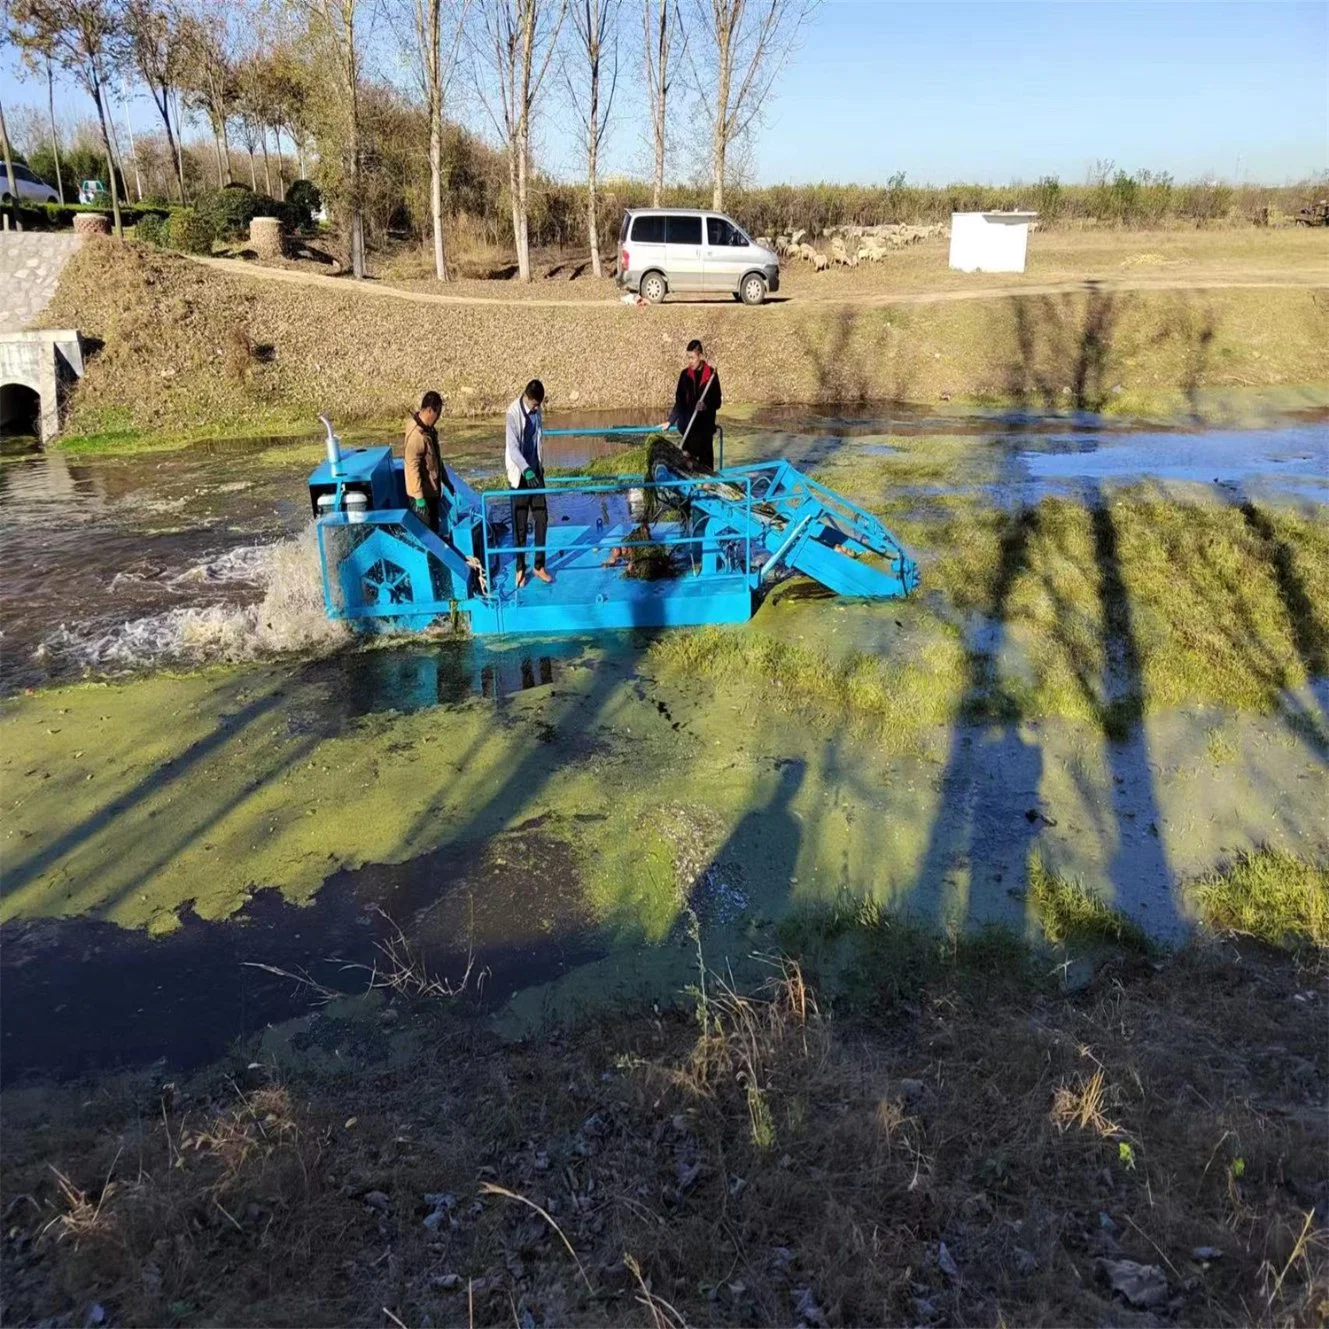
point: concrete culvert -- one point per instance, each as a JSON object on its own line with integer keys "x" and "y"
{"x": 20, "y": 411}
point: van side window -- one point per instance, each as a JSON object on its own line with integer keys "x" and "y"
{"x": 649, "y": 230}
{"x": 719, "y": 232}
{"x": 683, "y": 230}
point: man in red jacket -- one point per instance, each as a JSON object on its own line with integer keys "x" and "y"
{"x": 696, "y": 400}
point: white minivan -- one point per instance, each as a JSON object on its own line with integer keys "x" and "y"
{"x": 27, "y": 185}
{"x": 691, "y": 251}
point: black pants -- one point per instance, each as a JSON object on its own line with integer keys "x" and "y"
{"x": 700, "y": 442}
{"x": 523, "y": 509}
{"x": 427, "y": 510}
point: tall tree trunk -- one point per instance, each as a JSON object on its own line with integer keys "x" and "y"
{"x": 659, "y": 106}
{"x": 593, "y": 221}
{"x": 300, "y": 154}
{"x": 357, "y": 203}
{"x": 281, "y": 165}
{"x": 179, "y": 152}
{"x": 657, "y": 185}
{"x": 253, "y": 174}
{"x": 177, "y": 161}
{"x": 55, "y": 138}
{"x": 515, "y": 191}
{"x": 217, "y": 145}
{"x": 436, "y": 194}
{"x": 357, "y": 244}
{"x": 267, "y": 164}
{"x": 110, "y": 160}
{"x": 162, "y": 101}
{"x": 592, "y": 151}
{"x": 725, "y": 64}
{"x": 523, "y": 201}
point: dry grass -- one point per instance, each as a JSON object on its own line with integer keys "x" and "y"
{"x": 758, "y": 1161}
{"x": 362, "y": 355}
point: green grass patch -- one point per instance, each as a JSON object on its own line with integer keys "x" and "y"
{"x": 1070, "y": 915}
{"x": 857, "y": 689}
{"x": 1269, "y": 894}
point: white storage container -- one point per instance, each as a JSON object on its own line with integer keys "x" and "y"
{"x": 989, "y": 241}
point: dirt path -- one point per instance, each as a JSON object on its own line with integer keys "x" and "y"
{"x": 1290, "y": 278}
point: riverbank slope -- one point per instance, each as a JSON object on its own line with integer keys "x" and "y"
{"x": 180, "y": 346}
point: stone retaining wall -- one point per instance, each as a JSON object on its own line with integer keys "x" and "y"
{"x": 30, "y": 267}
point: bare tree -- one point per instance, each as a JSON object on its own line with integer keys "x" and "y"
{"x": 340, "y": 25}
{"x": 83, "y": 37}
{"x": 516, "y": 44}
{"x": 286, "y": 90}
{"x": 660, "y": 28}
{"x": 209, "y": 78}
{"x": 157, "y": 46}
{"x": 748, "y": 43}
{"x": 433, "y": 29}
{"x": 595, "y": 23}
{"x": 335, "y": 22}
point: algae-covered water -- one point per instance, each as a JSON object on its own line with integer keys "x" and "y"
{"x": 216, "y": 804}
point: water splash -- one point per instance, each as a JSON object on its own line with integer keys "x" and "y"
{"x": 288, "y": 618}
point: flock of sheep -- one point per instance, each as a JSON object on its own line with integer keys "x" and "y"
{"x": 850, "y": 245}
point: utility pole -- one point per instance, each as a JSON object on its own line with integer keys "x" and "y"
{"x": 133, "y": 151}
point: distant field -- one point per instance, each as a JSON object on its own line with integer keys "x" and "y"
{"x": 1105, "y": 254}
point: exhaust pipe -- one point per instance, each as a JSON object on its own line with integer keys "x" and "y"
{"x": 334, "y": 448}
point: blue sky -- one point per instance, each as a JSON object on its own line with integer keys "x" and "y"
{"x": 987, "y": 90}
{"x": 997, "y": 91}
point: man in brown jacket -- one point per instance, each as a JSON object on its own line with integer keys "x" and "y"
{"x": 426, "y": 476}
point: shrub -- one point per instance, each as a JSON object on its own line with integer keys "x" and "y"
{"x": 151, "y": 228}
{"x": 303, "y": 200}
{"x": 230, "y": 210}
{"x": 190, "y": 232}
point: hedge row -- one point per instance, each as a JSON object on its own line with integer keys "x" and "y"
{"x": 226, "y": 213}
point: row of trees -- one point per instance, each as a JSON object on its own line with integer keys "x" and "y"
{"x": 306, "y": 70}
{"x": 189, "y": 60}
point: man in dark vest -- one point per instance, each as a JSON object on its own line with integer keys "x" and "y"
{"x": 696, "y": 400}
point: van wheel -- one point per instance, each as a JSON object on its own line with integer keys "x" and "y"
{"x": 652, "y": 288}
{"x": 753, "y": 290}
